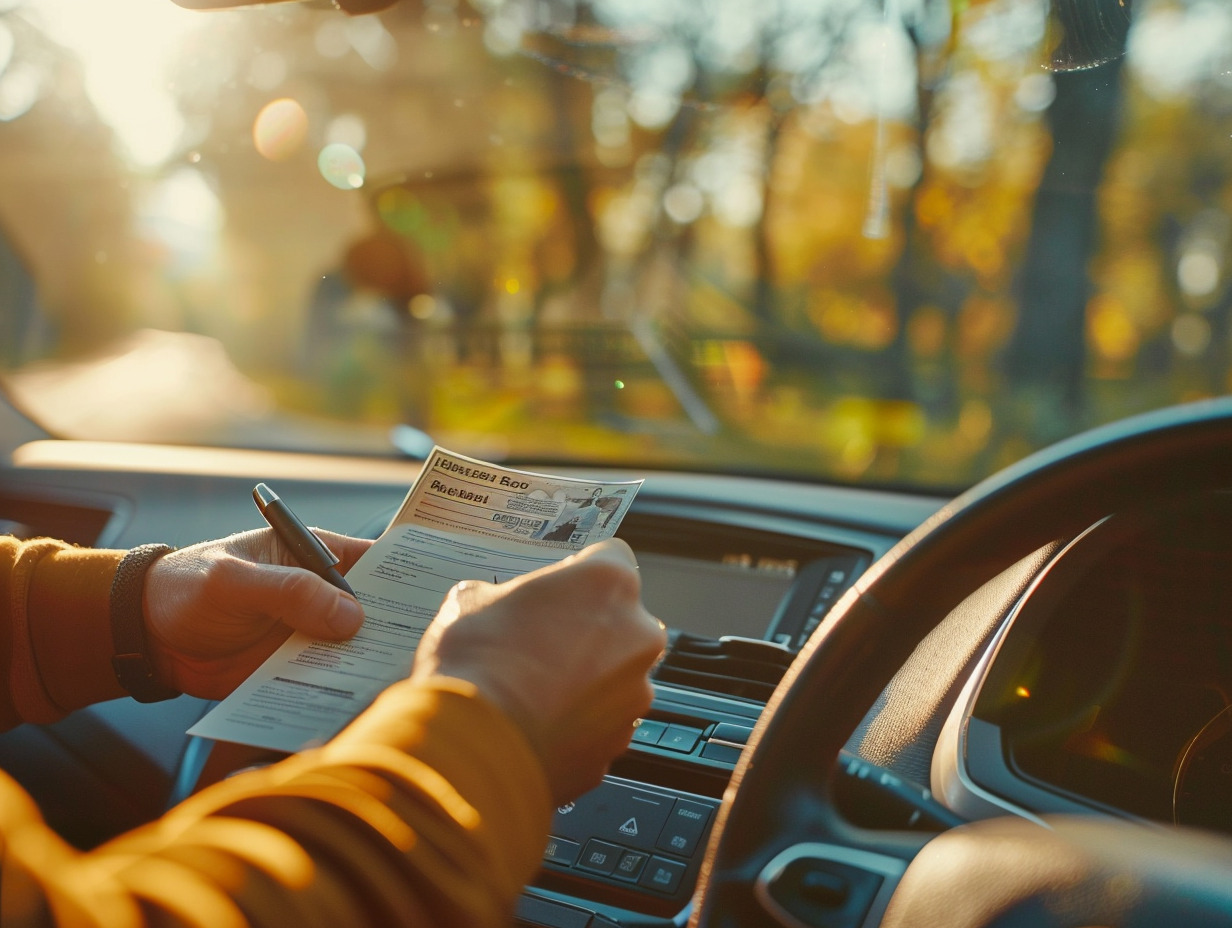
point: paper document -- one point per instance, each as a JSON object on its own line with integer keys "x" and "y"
{"x": 461, "y": 520}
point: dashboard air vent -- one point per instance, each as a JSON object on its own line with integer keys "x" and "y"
{"x": 746, "y": 668}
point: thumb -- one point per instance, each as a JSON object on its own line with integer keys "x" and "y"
{"x": 302, "y": 600}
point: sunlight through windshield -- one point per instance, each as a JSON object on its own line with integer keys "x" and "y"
{"x": 901, "y": 243}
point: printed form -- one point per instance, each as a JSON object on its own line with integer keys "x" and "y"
{"x": 462, "y": 519}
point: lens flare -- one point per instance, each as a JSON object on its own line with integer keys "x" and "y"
{"x": 280, "y": 129}
{"x": 342, "y": 166}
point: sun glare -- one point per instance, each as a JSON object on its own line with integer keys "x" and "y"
{"x": 125, "y": 47}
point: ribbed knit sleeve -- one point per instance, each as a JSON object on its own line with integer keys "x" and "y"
{"x": 439, "y": 823}
{"x": 432, "y": 810}
{"x": 55, "y": 637}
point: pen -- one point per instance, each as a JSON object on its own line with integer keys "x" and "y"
{"x": 304, "y": 546}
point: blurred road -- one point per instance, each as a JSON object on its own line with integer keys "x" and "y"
{"x": 176, "y": 388}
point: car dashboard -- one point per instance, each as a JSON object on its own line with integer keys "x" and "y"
{"x": 1093, "y": 676}
{"x": 1109, "y": 685}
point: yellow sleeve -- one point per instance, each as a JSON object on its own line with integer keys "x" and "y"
{"x": 434, "y": 813}
{"x": 55, "y": 633}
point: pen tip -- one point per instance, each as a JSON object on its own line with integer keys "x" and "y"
{"x": 263, "y": 495}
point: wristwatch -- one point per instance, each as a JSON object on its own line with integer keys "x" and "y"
{"x": 131, "y": 662}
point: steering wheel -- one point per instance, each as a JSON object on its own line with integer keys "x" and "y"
{"x": 781, "y": 853}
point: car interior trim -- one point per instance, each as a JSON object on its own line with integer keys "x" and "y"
{"x": 889, "y": 870}
{"x": 950, "y": 777}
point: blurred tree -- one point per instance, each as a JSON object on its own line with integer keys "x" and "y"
{"x": 1046, "y": 358}
{"x": 1045, "y": 362}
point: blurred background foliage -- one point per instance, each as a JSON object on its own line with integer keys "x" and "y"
{"x": 900, "y": 242}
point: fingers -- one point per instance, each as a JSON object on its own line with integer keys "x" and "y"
{"x": 292, "y": 595}
{"x": 327, "y": 612}
{"x": 613, "y": 549}
{"x": 262, "y": 546}
{"x": 348, "y": 549}
{"x": 605, "y": 571}
{"x": 359, "y": 7}
{"x": 219, "y": 589}
{"x": 278, "y": 587}
{"x": 564, "y": 651}
{"x": 215, "y": 610}
{"x": 612, "y": 553}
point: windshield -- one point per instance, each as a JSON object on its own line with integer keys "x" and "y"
{"x": 895, "y": 243}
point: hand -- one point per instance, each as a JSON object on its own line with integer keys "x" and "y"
{"x": 359, "y": 7}
{"x": 564, "y": 651}
{"x": 214, "y": 611}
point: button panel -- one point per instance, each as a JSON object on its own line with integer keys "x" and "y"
{"x": 600, "y": 856}
{"x": 663, "y": 875}
{"x": 630, "y": 865}
{"x": 680, "y": 738}
{"x": 560, "y": 851}
{"x": 725, "y": 753}
{"x": 685, "y": 828}
{"x": 817, "y": 587}
{"x": 648, "y": 732}
{"x": 631, "y": 835}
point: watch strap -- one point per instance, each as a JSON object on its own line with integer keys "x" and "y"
{"x": 131, "y": 661}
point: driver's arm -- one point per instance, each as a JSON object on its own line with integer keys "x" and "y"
{"x": 55, "y": 634}
{"x": 430, "y": 809}
{"x": 210, "y": 614}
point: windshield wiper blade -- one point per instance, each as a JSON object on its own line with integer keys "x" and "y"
{"x": 703, "y": 419}
{"x": 411, "y": 442}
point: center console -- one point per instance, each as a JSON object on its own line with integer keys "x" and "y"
{"x": 629, "y": 851}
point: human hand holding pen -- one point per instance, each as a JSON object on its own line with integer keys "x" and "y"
{"x": 214, "y": 611}
{"x": 304, "y": 546}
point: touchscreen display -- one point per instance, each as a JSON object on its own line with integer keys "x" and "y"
{"x": 713, "y": 598}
